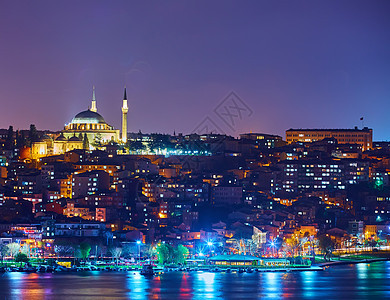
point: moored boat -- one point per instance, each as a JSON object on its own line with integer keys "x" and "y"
{"x": 147, "y": 270}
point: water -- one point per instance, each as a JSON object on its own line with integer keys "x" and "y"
{"x": 361, "y": 281}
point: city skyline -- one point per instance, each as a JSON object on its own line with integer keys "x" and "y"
{"x": 179, "y": 61}
{"x": 194, "y": 149}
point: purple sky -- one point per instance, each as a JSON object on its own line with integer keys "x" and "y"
{"x": 295, "y": 64}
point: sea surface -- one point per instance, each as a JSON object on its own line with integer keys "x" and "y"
{"x": 360, "y": 281}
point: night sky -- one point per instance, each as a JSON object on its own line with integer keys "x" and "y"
{"x": 299, "y": 64}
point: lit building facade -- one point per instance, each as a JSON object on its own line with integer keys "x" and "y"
{"x": 362, "y": 137}
{"x": 87, "y": 130}
{"x": 263, "y": 140}
{"x": 318, "y": 175}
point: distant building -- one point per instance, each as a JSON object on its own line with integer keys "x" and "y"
{"x": 264, "y": 140}
{"x": 315, "y": 175}
{"x": 227, "y": 194}
{"x": 362, "y": 137}
{"x": 355, "y": 228}
{"x": 89, "y": 183}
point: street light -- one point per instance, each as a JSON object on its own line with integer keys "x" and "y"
{"x": 273, "y": 246}
{"x": 209, "y": 244}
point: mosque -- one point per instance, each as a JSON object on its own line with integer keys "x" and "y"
{"x": 87, "y": 130}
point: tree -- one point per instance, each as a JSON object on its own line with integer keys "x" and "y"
{"x": 81, "y": 138}
{"x": 13, "y": 249}
{"x": 85, "y": 142}
{"x": 166, "y": 254}
{"x": 116, "y": 253}
{"x": 159, "y": 141}
{"x": 130, "y": 250}
{"x": 20, "y": 139}
{"x": 84, "y": 249}
{"x": 33, "y": 134}
{"x": 245, "y": 246}
{"x": 21, "y": 257}
{"x": 150, "y": 251}
{"x": 64, "y": 249}
{"x": 3, "y": 251}
{"x": 326, "y": 244}
{"x": 98, "y": 141}
{"x": 10, "y": 141}
{"x": 135, "y": 146}
{"x": 163, "y": 254}
{"x": 25, "y": 249}
{"x": 180, "y": 255}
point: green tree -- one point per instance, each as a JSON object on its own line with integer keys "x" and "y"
{"x": 180, "y": 255}
{"x": 85, "y": 142}
{"x": 21, "y": 257}
{"x": 167, "y": 254}
{"x": 135, "y": 146}
{"x": 3, "y": 251}
{"x": 163, "y": 254}
{"x": 84, "y": 249}
{"x": 98, "y": 141}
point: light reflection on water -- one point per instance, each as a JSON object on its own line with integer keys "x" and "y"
{"x": 361, "y": 281}
{"x": 308, "y": 283}
{"x": 362, "y": 271}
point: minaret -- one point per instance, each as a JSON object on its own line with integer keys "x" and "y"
{"x": 93, "y": 107}
{"x": 125, "y": 109}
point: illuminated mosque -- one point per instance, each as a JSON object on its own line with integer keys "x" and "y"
{"x": 85, "y": 130}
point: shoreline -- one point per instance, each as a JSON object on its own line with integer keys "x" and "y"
{"x": 354, "y": 262}
{"x": 314, "y": 267}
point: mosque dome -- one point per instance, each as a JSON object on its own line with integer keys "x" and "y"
{"x": 61, "y": 137}
{"x": 74, "y": 139}
{"x": 45, "y": 138}
{"x": 88, "y": 117}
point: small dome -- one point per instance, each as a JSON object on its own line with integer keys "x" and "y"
{"x": 74, "y": 139}
{"x": 61, "y": 137}
{"x": 88, "y": 117}
{"x": 45, "y": 137}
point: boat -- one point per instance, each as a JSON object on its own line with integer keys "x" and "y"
{"x": 147, "y": 270}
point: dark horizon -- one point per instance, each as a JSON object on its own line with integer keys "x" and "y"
{"x": 294, "y": 64}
